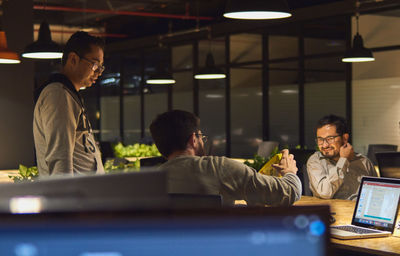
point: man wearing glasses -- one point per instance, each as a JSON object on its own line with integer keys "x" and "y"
{"x": 335, "y": 171}
{"x": 64, "y": 140}
{"x": 178, "y": 137}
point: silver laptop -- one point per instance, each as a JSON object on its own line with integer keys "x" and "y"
{"x": 375, "y": 212}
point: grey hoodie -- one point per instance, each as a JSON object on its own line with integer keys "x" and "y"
{"x": 64, "y": 142}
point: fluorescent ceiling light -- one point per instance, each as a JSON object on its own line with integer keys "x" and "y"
{"x": 160, "y": 81}
{"x": 257, "y": 9}
{"x": 257, "y": 15}
{"x": 210, "y": 71}
{"x": 44, "y": 47}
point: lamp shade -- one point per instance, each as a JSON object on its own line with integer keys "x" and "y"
{"x": 6, "y": 55}
{"x": 210, "y": 71}
{"x": 358, "y": 53}
{"x": 44, "y": 47}
{"x": 257, "y": 9}
{"x": 161, "y": 77}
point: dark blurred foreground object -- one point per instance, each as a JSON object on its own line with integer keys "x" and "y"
{"x": 375, "y": 148}
{"x": 193, "y": 201}
{"x": 120, "y": 191}
{"x": 389, "y": 164}
{"x": 226, "y": 231}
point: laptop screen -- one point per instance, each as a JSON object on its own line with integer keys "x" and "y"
{"x": 377, "y": 203}
{"x": 225, "y": 232}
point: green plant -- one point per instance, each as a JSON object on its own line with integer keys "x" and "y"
{"x": 110, "y": 166}
{"x": 135, "y": 150}
{"x": 25, "y": 174}
{"x": 258, "y": 161}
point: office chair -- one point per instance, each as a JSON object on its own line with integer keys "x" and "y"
{"x": 301, "y": 156}
{"x": 389, "y": 164}
{"x": 375, "y": 148}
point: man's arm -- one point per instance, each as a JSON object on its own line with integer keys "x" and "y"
{"x": 325, "y": 182}
{"x": 59, "y": 121}
{"x": 244, "y": 182}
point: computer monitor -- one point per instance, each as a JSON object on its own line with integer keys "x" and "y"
{"x": 234, "y": 231}
{"x": 121, "y": 191}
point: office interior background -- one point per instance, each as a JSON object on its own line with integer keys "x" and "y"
{"x": 281, "y": 76}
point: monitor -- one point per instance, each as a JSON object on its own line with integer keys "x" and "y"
{"x": 135, "y": 190}
{"x": 229, "y": 231}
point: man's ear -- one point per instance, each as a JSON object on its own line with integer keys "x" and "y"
{"x": 191, "y": 141}
{"x": 73, "y": 58}
{"x": 346, "y": 137}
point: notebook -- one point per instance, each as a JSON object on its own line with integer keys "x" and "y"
{"x": 375, "y": 212}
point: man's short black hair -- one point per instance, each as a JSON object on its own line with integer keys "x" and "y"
{"x": 172, "y": 130}
{"x": 80, "y": 43}
{"x": 339, "y": 122}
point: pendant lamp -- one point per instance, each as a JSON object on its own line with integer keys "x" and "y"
{"x": 161, "y": 76}
{"x": 6, "y": 55}
{"x": 210, "y": 71}
{"x": 358, "y": 53}
{"x": 44, "y": 47}
{"x": 257, "y": 9}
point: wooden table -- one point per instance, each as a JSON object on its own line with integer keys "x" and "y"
{"x": 344, "y": 213}
{"x": 4, "y": 175}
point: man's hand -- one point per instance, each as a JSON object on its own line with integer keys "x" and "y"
{"x": 347, "y": 151}
{"x": 287, "y": 163}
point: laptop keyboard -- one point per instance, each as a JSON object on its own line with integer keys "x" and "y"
{"x": 357, "y": 230}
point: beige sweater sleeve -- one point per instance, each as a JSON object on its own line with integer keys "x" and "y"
{"x": 242, "y": 181}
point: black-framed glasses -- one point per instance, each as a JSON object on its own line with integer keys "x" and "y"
{"x": 329, "y": 139}
{"x": 202, "y": 136}
{"x": 95, "y": 66}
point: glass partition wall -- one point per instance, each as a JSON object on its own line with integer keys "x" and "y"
{"x": 280, "y": 81}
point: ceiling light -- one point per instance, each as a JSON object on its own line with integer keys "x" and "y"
{"x": 44, "y": 47}
{"x": 210, "y": 71}
{"x": 6, "y": 55}
{"x": 161, "y": 78}
{"x": 358, "y": 53}
{"x": 257, "y": 9}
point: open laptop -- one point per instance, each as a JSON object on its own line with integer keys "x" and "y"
{"x": 375, "y": 212}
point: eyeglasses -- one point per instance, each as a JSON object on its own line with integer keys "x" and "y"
{"x": 95, "y": 66}
{"x": 329, "y": 139}
{"x": 202, "y": 136}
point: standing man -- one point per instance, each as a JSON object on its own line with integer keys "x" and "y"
{"x": 64, "y": 141}
{"x": 335, "y": 171}
{"x": 178, "y": 137}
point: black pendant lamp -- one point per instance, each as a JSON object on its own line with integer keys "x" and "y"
{"x": 210, "y": 71}
{"x": 257, "y": 9}
{"x": 162, "y": 75}
{"x": 161, "y": 78}
{"x": 358, "y": 53}
{"x": 44, "y": 47}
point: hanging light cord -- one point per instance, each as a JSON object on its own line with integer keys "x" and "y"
{"x": 357, "y": 13}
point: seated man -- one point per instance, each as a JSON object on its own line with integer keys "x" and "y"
{"x": 335, "y": 171}
{"x": 178, "y": 137}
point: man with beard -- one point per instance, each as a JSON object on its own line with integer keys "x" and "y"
{"x": 178, "y": 137}
{"x": 335, "y": 171}
{"x": 64, "y": 140}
